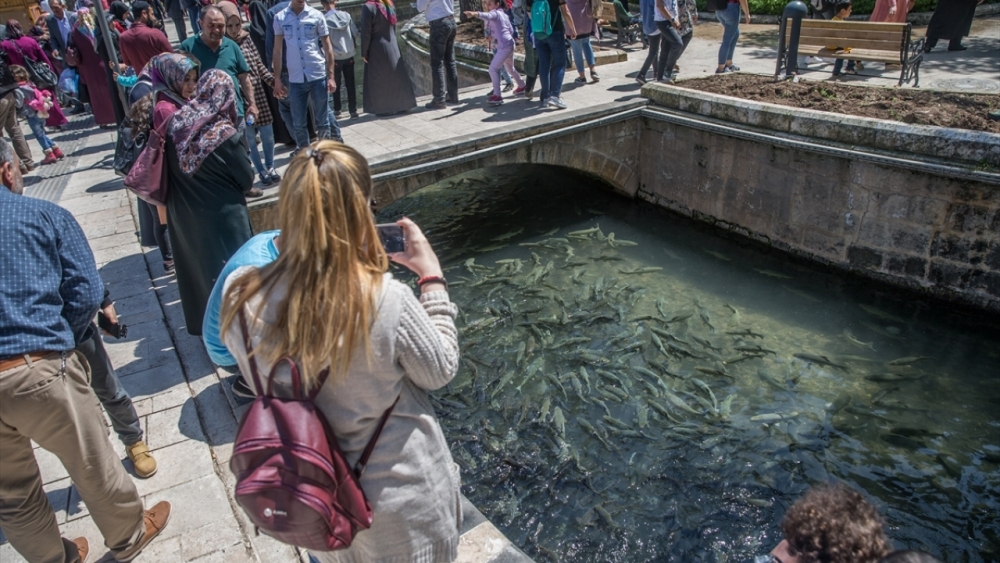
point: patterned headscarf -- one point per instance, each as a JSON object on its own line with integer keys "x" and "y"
{"x": 170, "y": 70}
{"x": 387, "y": 8}
{"x": 206, "y": 121}
{"x": 14, "y": 30}
{"x": 85, "y": 22}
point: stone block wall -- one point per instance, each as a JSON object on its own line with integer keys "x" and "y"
{"x": 929, "y": 232}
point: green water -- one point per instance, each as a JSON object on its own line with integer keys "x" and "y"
{"x": 703, "y": 384}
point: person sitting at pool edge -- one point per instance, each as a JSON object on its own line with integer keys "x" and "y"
{"x": 831, "y": 523}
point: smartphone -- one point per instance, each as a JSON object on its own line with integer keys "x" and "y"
{"x": 118, "y": 330}
{"x": 392, "y": 237}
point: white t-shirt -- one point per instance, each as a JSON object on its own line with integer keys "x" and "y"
{"x": 303, "y": 51}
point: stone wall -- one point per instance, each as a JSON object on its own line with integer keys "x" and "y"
{"x": 933, "y": 232}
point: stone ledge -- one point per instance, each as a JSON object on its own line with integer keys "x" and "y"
{"x": 958, "y": 146}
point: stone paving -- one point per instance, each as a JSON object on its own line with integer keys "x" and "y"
{"x": 187, "y": 410}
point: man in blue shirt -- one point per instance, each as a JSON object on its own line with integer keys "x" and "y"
{"x": 49, "y": 293}
{"x": 302, "y": 40}
{"x": 259, "y": 251}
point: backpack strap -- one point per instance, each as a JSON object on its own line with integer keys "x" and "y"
{"x": 253, "y": 361}
{"x": 359, "y": 467}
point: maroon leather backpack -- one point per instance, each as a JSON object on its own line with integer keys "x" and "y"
{"x": 292, "y": 480}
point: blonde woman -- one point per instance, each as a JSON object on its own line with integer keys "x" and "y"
{"x": 328, "y": 301}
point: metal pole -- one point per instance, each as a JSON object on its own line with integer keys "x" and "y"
{"x": 796, "y": 10}
{"x": 102, "y": 21}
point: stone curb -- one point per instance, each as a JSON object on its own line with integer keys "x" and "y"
{"x": 957, "y": 146}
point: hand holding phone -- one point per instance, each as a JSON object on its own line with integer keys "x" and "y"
{"x": 418, "y": 256}
{"x": 392, "y": 237}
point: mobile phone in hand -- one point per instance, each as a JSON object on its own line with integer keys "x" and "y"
{"x": 392, "y": 237}
{"x": 118, "y": 330}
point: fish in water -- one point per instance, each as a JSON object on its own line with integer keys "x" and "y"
{"x": 773, "y": 417}
{"x": 509, "y": 235}
{"x": 718, "y": 255}
{"x": 908, "y": 360}
{"x": 772, "y": 274}
{"x": 818, "y": 359}
{"x": 838, "y": 404}
{"x": 672, "y": 255}
{"x": 901, "y": 441}
{"x": 648, "y": 270}
{"x": 893, "y": 377}
{"x": 850, "y": 338}
{"x": 559, "y": 420}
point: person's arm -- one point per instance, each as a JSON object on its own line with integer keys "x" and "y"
{"x": 163, "y": 44}
{"x": 746, "y": 10}
{"x": 237, "y": 163}
{"x": 247, "y": 85}
{"x": 331, "y": 82}
{"x": 257, "y": 66}
{"x": 427, "y": 337}
{"x": 662, "y": 9}
{"x": 568, "y": 21}
{"x": 279, "y": 86}
{"x": 82, "y": 289}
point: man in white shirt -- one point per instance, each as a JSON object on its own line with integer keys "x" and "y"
{"x": 310, "y": 69}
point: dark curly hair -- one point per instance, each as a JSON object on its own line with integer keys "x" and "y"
{"x": 909, "y": 556}
{"x": 833, "y": 523}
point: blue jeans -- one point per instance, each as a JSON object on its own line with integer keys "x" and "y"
{"x": 267, "y": 139}
{"x": 551, "y": 64}
{"x": 582, "y": 51}
{"x": 671, "y": 47}
{"x": 730, "y": 20}
{"x": 37, "y": 126}
{"x": 194, "y": 12}
{"x": 300, "y": 96}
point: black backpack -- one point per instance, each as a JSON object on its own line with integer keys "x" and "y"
{"x": 7, "y": 81}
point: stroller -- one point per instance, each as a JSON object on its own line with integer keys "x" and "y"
{"x": 68, "y": 88}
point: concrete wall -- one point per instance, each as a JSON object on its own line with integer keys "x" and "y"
{"x": 929, "y": 230}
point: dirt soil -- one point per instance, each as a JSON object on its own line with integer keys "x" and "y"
{"x": 944, "y": 109}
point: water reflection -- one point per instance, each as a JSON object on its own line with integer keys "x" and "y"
{"x": 636, "y": 388}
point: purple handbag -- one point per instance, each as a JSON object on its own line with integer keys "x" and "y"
{"x": 148, "y": 177}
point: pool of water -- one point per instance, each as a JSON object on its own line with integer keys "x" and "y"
{"x": 636, "y": 387}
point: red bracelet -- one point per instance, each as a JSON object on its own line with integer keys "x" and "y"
{"x": 432, "y": 279}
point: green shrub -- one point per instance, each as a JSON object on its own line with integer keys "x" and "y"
{"x": 861, "y": 7}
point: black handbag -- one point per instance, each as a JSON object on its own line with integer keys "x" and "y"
{"x": 40, "y": 73}
{"x": 127, "y": 148}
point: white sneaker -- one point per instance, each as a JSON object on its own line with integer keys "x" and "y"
{"x": 557, "y": 103}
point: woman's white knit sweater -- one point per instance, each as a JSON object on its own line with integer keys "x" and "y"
{"x": 410, "y": 481}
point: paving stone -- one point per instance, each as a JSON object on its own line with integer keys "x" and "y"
{"x": 153, "y": 382}
{"x": 170, "y": 426}
{"x": 179, "y": 464}
{"x": 196, "y": 504}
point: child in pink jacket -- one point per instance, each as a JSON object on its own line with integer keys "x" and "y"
{"x": 502, "y": 33}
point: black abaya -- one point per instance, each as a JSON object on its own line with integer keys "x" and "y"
{"x": 952, "y": 20}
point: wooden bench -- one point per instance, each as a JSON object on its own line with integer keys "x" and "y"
{"x": 868, "y": 41}
{"x": 618, "y": 24}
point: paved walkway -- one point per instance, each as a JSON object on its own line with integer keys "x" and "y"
{"x": 188, "y": 413}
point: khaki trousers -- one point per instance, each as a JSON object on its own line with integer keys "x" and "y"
{"x": 50, "y": 401}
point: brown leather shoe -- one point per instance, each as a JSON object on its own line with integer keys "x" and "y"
{"x": 155, "y": 520}
{"x": 82, "y": 548}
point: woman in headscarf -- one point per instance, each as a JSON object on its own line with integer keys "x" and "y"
{"x": 387, "y": 87}
{"x": 209, "y": 175}
{"x": 120, "y": 14}
{"x": 19, "y": 47}
{"x": 92, "y": 69}
{"x": 259, "y": 75}
{"x": 176, "y": 77}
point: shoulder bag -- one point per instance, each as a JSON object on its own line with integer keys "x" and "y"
{"x": 40, "y": 73}
{"x": 148, "y": 176}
